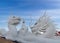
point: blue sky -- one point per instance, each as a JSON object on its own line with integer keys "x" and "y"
{"x": 29, "y": 8}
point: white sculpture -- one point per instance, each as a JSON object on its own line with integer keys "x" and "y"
{"x": 24, "y": 29}
{"x": 50, "y": 31}
{"x": 45, "y": 25}
{"x": 12, "y": 23}
{"x": 25, "y": 36}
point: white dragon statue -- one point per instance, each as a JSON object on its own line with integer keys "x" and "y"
{"x": 12, "y": 23}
